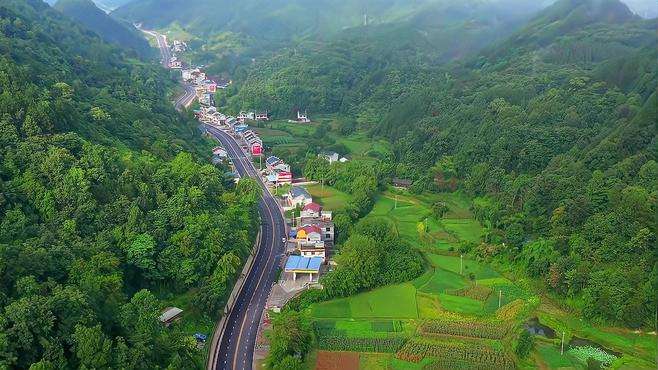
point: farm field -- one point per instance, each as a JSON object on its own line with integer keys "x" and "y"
{"x": 330, "y": 198}
{"x": 473, "y": 296}
{"x": 406, "y": 211}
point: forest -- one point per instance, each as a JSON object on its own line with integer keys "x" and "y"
{"x": 552, "y": 131}
{"x": 107, "y": 204}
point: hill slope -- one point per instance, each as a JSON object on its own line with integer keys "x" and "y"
{"x": 87, "y": 13}
{"x": 102, "y": 197}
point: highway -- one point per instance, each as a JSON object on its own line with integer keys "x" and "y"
{"x": 189, "y": 95}
{"x": 236, "y": 349}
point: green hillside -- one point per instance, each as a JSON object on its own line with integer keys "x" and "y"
{"x": 108, "y": 213}
{"x": 553, "y": 130}
{"x": 114, "y": 31}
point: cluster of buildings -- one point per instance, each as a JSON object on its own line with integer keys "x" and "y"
{"x": 311, "y": 234}
{"x": 239, "y": 129}
{"x": 332, "y": 157}
{"x": 301, "y": 118}
{"x": 277, "y": 171}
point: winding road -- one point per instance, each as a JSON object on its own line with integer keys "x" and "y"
{"x": 236, "y": 348}
{"x": 189, "y": 95}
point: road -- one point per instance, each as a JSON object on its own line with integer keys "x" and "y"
{"x": 236, "y": 349}
{"x": 187, "y": 98}
{"x": 189, "y": 95}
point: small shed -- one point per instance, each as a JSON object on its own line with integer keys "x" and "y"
{"x": 169, "y": 315}
{"x": 401, "y": 183}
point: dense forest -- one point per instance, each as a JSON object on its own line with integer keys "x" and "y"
{"x": 552, "y": 131}
{"x": 109, "y": 29}
{"x": 106, "y": 207}
{"x": 228, "y": 40}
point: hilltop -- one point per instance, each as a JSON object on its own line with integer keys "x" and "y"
{"x": 109, "y": 29}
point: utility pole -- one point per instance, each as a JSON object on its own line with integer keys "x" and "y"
{"x": 562, "y": 345}
{"x": 461, "y": 264}
{"x": 396, "y": 202}
{"x": 500, "y": 297}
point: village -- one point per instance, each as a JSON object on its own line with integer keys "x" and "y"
{"x": 310, "y": 228}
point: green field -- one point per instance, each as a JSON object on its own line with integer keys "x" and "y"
{"x": 405, "y": 212}
{"x": 453, "y": 264}
{"x": 373, "y": 304}
{"x": 330, "y": 198}
{"x": 442, "y": 293}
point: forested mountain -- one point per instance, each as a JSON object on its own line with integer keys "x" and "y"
{"x": 111, "y": 30}
{"x": 288, "y": 20}
{"x": 552, "y": 130}
{"x": 106, "y": 210}
{"x": 105, "y": 5}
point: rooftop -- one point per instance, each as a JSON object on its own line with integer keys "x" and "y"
{"x": 303, "y": 264}
{"x": 297, "y": 191}
{"x": 170, "y": 313}
{"x": 312, "y": 207}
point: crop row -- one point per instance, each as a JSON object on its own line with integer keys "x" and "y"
{"x": 478, "y": 355}
{"x": 383, "y": 345}
{"x": 475, "y": 329}
{"x": 454, "y": 364}
{"x": 477, "y": 292}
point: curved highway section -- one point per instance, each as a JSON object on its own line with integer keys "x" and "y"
{"x": 236, "y": 349}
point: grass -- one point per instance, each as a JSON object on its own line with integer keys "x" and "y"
{"x": 330, "y": 198}
{"x": 550, "y": 355}
{"x": 452, "y": 263}
{"x": 373, "y": 304}
{"x": 443, "y": 280}
{"x": 462, "y": 305}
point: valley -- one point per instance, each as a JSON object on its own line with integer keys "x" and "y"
{"x": 353, "y": 184}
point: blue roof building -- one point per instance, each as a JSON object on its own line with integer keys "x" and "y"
{"x": 303, "y": 265}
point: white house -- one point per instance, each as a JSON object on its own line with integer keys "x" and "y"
{"x": 298, "y": 196}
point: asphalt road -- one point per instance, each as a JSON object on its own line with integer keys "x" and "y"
{"x": 189, "y": 95}
{"x": 187, "y": 98}
{"x": 236, "y": 349}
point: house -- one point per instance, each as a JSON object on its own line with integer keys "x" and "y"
{"x": 240, "y": 127}
{"x": 311, "y": 210}
{"x": 302, "y": 118}
{"x": 262, "y": 116}
{"x": 324, "y": 227}
{"x": 170, "y": 315}
{"x": 222, "y": 83}
{"x": 210, "y": 86}
{"x": 281, "y": 167}
{"x": 309, "y": 234}
{"x": 313, "y": 250}
{"x": 330, "y": 157}
{"x": 303, "y": 265}
{"x": 174, "y": 63}
{"x": 401, "y": 183}
{"x": 282, "y": 177}
{"x": 243, "y": 116}
{"x": 298, "y": 196}
{"x": 217, "y": 160}
{"x": 186, "y": 74}
{"x": 220, "y": 152}
{"x": 272, "y": 161}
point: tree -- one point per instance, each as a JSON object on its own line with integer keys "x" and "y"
{"x": 92, "y": 348}
{"x": 524, "y": 344}
{"x": 290, "y": 336}
{"x": 141, "y": 251}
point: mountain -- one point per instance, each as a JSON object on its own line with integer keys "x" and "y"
{"x": 290, "y": 19}
{"x": 108, "y": 205}
{"x": 552, "y": 130}
{"x": 123, "y": 34}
